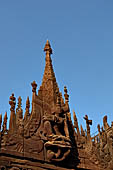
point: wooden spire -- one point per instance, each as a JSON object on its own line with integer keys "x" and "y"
{"x": 49, "y": 84}
{"x": 27, "y": 114}
{"x": 5, "y": 123}
{"x": 34, "y": 87}
{"x": 48, "y": 48}
{"x": 12, "y": 123}
{"x": 88, "y": 123}
{"x": 19, "y": 111}
{"x": 105, "y": 124}
{"x": 76, "y": 122}
{"x": 66, "y": 95}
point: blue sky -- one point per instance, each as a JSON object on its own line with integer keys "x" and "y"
{"x": 81, "y": 36}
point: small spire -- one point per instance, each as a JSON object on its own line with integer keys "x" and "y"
{"x": 66, "y": 95}
{"x": 19, "y": 105}
{"x": 105, "y": 124}
{"x": 12, "y": 123}
{"x": 98, "y": 127}
{"x": 34, "y": 86}
{"x": 49, "y": 85}
{"x": 76, "y": 122}
{"x": 12, "y": 102}
{"x": 27, "y": 109}
{"x": 0, "y": 121}
{"x": 5, "y": 122}
{"x": 48, "y": 48}
{"x": 19, "y": 111}
{"x": 88, "y": 123}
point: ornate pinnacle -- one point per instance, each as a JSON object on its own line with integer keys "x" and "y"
{"x": 0, "y": 121}
{"x": 27, "y": 109}
{"x": 105, "y": 124}
{"x": 12, "y": 102}
{"x": 66, "y": 95}
{"x": 27, "y": 103}
{"x": 98, "y": 127}
{"x": 19, "y": 111}
{"x": 48, "y": 48}
{"x": 88, "y": 123}
{"x": 5, "y": 122}
{"x": 19, "y": 104}
{"x": 27, "y": 106}
{"x": 34, "y": 86}
{"x": 75, "y": 120}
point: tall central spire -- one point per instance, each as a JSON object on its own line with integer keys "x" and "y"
{"x": 48, "y": 73}
{"x": 49, "y": 84}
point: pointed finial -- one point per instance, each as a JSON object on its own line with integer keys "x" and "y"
{"x": 66, "y": 95}
{"x": 5, "y": 122}
{"x": 27, "y": 103}
{"x": 12, "y": 102}
{"x": 48, "y": 48}
{"x": 34, "y": 86}
{"x": 12, "y": 123}
{"x": 19, "y": 111}
{"x": 76, "y": 123}
{"x": 0, "y": 121}
{"x": 98, "y": 127}
{"x": 75, "y": 120}
{"x": 19, "y": 105}
{"x": 27, "y": 109}
{"x": 88, "y": 123}
{"x": 105, "y": 124}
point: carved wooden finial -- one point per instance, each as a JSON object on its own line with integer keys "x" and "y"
{"x": 12, "y": 102}
{"x": 12, "y": 123}
{"x": 98, "y": 127}
{"x": 19, "y": 105}
{"x": 105, "y": 124}
{"x": 19, "y": 111}
{"x": 88, "y": 123}
{"x": 66, "y": 95}
{"x": 27, "y": 109}
{"x": 0, "y": 121}
{"x": 27, "y": 103}
{"x": 34, "y": 86}
{"x": 48, "y": 48}
{"x": 5, "y": 122}
{"x": 76, "y": 122}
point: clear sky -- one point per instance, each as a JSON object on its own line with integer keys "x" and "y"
{"x": 81, "y": 36}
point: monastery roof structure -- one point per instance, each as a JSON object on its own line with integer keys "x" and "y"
{"x": 46, "y": 138}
